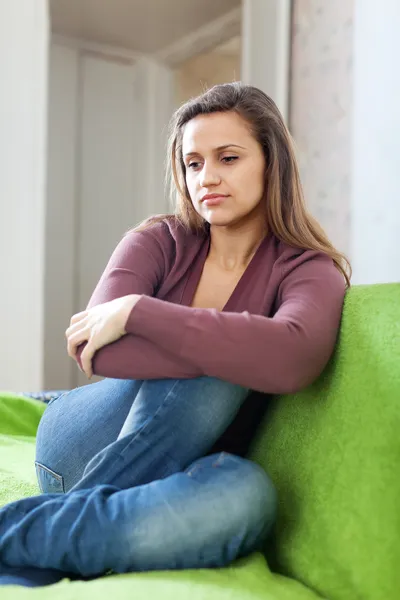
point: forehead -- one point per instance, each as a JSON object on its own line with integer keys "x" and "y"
{"x": 214, "y": 130}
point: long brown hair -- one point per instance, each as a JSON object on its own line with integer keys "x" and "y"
{"x": 285, "y": 211}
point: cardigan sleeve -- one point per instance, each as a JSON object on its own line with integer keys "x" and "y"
{"x": 137, "y": 266}
{"x": 282, "y": 354}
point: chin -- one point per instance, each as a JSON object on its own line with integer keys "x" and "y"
{"x": 221, "y": 218}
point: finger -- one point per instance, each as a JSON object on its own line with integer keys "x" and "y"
{"x": 75, "y": 340}
{"x": 76, "y": 327}
{"x": 78, "y": 316}
{"x": 86, "y": 359}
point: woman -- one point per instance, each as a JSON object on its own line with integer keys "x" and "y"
{"x": 197, "y": 317}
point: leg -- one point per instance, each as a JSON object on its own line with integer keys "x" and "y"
{"x": 171, "y": 423}
{"x": 76, "y": 426}
{"x": 193, "y": 414}
{"x": 29, "y": 577}
{"x": 220, "y": 508}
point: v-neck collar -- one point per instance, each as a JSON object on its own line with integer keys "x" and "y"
{"x": 197, "y": 270}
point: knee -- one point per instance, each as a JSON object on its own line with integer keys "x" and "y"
{"x": 255, "y": 500}
{"x": 220, "y": 508}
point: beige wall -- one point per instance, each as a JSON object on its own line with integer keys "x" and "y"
{"x": 24, "y": 38}
{"x": 205, "y": 70}
{"x": 320, "y": 114}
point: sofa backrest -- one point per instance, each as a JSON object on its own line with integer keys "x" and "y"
{"x": 333, "y": 452}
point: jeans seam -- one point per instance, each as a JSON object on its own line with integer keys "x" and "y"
{"x": 141, "y": 430}
{"x": 144, "y": 427}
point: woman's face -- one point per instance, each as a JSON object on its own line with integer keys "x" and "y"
{"x": 225, "y": 168}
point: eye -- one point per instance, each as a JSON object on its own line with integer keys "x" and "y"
{"x": 229, "y": 159}
{"x": 193, "y": 164}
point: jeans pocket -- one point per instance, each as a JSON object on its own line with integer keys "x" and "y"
{"x": 49, "y": 481}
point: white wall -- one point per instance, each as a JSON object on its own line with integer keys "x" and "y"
{"x": 63, "y": 168}
{"x": 266, "y": 26}
{"x": 24, "y": 31}
{"x": 200, "y": 72}
{"x": 154, "y": 102}
{"x": 345, "y": 98}
{"x": 375, "y": 214}
{"x": 321, "y": 111}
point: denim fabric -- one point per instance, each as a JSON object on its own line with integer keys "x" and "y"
{"x": 30, "y": 577}
{"x": 141, "y": 494}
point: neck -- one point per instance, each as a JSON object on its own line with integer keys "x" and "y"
{"x": 232, "y": 248}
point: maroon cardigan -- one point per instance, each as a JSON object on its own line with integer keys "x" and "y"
{"x": 275, "y": 334}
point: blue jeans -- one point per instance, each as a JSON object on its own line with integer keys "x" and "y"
{"x": 128, "y": 486}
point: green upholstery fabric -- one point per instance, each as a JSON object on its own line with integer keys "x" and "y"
{"x": 333, "y": 452}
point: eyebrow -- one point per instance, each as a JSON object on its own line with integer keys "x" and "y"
{"x": 219, "y": 149}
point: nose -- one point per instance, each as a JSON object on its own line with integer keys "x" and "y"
{"x": 209, "y": 175}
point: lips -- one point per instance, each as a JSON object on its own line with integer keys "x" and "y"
{"x": 213, "y": 199}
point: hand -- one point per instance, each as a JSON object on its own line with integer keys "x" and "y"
{"x": 99, "y": 326}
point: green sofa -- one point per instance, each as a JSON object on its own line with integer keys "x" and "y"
{"x": 333, "y": 452}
